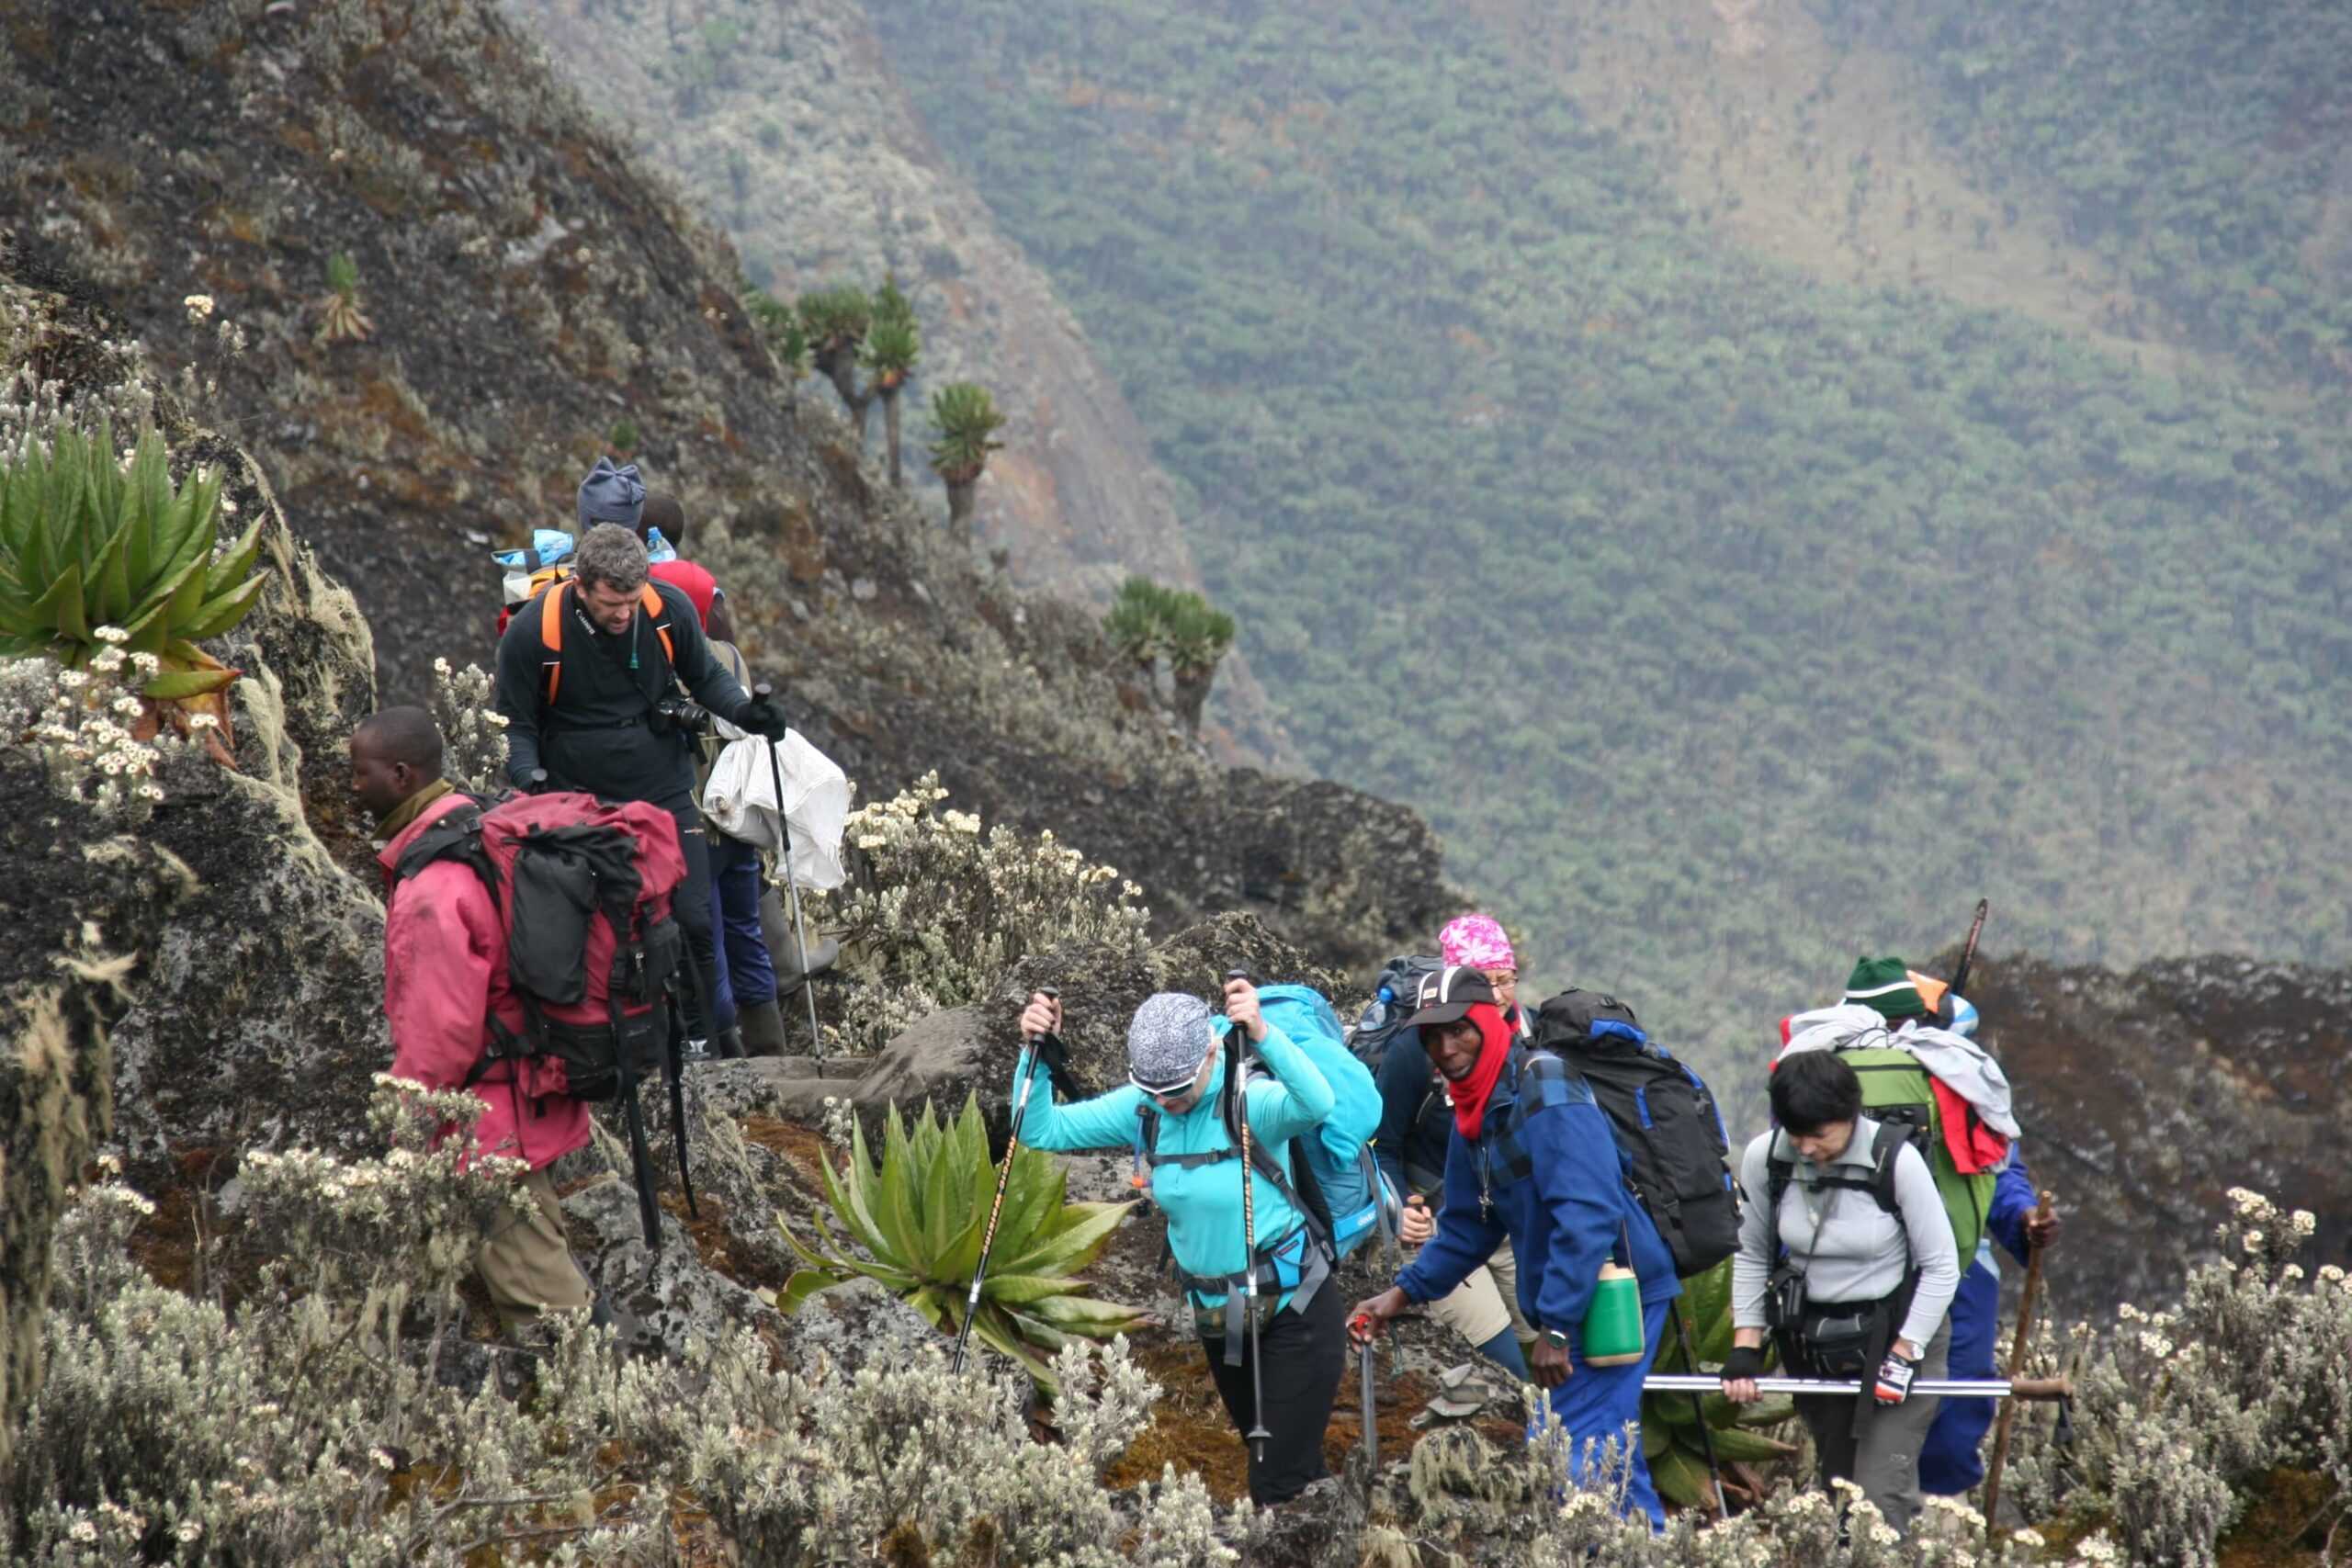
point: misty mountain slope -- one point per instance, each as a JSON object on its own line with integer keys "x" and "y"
{"x": 1775, "y": 617}
{"x": 1809, "y": 144}
{"x": 785, "y": 126}
{"x": 2201, "y": 151}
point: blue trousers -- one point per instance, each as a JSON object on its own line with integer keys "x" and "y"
{"x": 746, "y": 976}
{"x": 1951, "y": 1461}
{"x": 1600, "y": 1405}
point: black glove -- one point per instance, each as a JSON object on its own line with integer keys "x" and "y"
{"x": 1745, "y": 1361}
{"x": 1894, "y": 1375}
{"x": 763, "y": 716}
{"x": 1055, "y": 1055}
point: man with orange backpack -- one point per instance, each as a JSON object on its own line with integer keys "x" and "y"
{"x": 587, "y": 677}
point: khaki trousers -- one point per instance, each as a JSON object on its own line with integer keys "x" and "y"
{"x": 526, "y": 1262}
{"x": 1486, "y": 1302}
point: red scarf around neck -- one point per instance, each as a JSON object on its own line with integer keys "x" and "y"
{"x": 1470, "y": 1095}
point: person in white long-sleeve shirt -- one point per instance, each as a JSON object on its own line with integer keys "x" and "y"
{"x": 1846, "y": 1212}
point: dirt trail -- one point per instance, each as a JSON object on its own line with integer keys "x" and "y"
{"x": 1815, "y": 154}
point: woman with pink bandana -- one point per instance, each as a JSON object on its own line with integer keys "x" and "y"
{"x": 1480, "y": 942}
{"x": 1416, "y": 1120}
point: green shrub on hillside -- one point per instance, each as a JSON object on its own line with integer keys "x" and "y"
{"x": 2183, "y": 140}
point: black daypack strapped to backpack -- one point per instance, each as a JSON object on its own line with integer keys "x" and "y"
{"x": 1394, "y": 997}
{"x": 1664, "y": 1118}
{"x": 572, "y": 891}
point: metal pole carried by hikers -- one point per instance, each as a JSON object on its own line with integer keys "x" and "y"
{"x": 1371, "y": 1413}
{"x": 1940, "y": 1388}
{"x": 1029, "y": 1043}
{"x": 791, "y": 887}
{"x": 2026, "y": 1301}
{"x": 1699, "y": 1408}
{"x": 1258, "y": 1434}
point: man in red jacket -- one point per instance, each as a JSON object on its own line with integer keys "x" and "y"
{"x": 444, "y": 974}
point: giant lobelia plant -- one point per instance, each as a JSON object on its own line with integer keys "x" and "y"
{"x": 920, "y": 1213}
{"x": 97, "y": 553}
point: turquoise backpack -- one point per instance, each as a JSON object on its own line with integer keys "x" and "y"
{"x": 1338, "y": 1183}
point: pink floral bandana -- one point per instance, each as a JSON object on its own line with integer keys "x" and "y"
{"x": 1476, "y": 941}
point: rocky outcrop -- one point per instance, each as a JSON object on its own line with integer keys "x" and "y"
{"x": 971, "y": 1051}
{"x": 2146, "y": 1096}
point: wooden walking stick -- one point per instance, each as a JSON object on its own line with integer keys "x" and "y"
{"x": 2026, "y": 1301}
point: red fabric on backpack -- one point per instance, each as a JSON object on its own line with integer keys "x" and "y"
{"x": 661, "y": 866}
{"x": 1975, "y": 1147}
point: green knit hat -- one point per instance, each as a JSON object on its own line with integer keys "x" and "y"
{"x": 1885, "y": 983}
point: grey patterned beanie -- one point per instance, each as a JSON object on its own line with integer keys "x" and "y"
{"x": 1169, "y": 1036}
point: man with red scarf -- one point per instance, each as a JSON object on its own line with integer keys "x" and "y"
{"x": 1534, "y": 1159}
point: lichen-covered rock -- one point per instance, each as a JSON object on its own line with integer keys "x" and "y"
{"x": 2146, "y": 1096}
{"x": 260, "y": 1018}
{"x": 77, "y": 906}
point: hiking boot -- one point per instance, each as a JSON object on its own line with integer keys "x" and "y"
{"x": 694, "y": 1051}
{"x": 789, "y": 976}
{"x": 762, "y": 1027}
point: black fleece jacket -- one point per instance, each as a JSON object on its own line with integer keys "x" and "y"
{"x": 601, "y": 735}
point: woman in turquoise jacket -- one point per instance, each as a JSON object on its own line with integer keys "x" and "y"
{"x": 1172, "y": 1112}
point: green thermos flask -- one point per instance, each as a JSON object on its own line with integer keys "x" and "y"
{"x": 1612, "y": 1326}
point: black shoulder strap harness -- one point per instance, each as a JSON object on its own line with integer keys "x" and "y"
{"x": 1887, "y": 1149}
{"x": 457, "y": 836}
{"x": 1315, "y": 1257}
{"x": 1879, "y": 1183}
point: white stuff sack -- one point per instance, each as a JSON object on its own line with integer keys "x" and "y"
{"x": 741, "y": 798}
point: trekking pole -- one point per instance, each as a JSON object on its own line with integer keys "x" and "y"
{"x": 1968, "y": 948}
{"x": 1371, "y": 1413}
{"x": 1258, "y": 1434}
{"x": 2026, "y": 1303}
{"x": 1699, "y": 1408}
{"x": 1003, "y": 1177}
{"x": 791, "y": 887}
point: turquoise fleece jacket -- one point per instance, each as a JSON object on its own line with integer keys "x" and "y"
{"x": 1287, "y": 1097}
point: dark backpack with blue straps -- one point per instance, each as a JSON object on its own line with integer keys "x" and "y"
{"x": 1664, "y": 1118}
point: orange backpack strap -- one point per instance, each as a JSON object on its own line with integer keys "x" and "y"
{"x": 551, "y": 638}
{"x": 657, "y": 613}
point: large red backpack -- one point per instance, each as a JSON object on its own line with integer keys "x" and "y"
{"x": 591, "y": 954}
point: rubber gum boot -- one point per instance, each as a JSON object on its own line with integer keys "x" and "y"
{"x": 762, "y": 1027}
{"x": 728, "y": 1046}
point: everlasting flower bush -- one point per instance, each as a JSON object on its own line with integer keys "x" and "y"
{"x": 2178, "y": 1411}
{"x": 326, "y": 1419}
{"x": 473, "y": 732}
{"x": 86, "y": 724}
{"x": 944, "y": 910}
